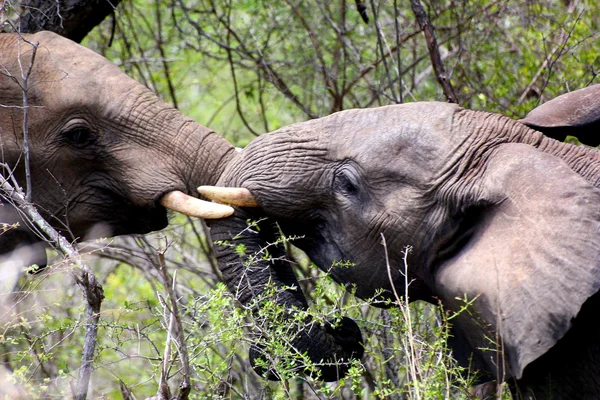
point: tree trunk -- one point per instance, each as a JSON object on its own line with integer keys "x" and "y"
{"x": 73, "y": 19}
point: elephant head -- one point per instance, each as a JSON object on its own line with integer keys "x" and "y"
{"x": 481, "y": 207}
{"x": 105, "y": 153}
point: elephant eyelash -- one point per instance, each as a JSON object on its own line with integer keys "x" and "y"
{"x": 79, "y": 137}
{"x": 345, "y": 183}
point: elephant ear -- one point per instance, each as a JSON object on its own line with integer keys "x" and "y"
{"x": 532, "y": 260}
{"x": 575, "y": 114}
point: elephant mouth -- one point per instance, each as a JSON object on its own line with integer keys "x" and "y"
{"x": 191, "y": 206}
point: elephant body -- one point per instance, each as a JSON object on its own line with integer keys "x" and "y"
{"x": 103, "y": 149}
{"x": 490, "y": 210}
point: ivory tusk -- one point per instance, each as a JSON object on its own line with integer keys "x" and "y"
{"x": 188, "y": 205}
{"x": 240, "y": 197}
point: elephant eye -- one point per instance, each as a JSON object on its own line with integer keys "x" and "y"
{"x": 79, "y": 136}
{"x": 345, "y": 183}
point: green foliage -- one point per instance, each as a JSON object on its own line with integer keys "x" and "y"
{"x": 248, "y": 67}
{"x": 43, "y": 345}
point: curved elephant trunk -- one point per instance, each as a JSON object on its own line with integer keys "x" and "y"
{"x": 259, "y": 272}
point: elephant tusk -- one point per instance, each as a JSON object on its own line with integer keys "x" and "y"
{"x": 240, "y": 197}
{"x": 193, "y": 207}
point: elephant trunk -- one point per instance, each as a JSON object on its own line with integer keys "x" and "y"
{"x": 183, "y": 154}
{"x": 256, "y": 270}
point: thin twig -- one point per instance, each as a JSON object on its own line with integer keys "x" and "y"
{"x": 84, "y": 277}
{"x": 159, "y": 45}
{"x": 175, "y": 332}
{"x": 403, "y": 303}
{"x": 25, "y": 74}
{"x": 398, "y": 55}
{"x": 380, "y": 39}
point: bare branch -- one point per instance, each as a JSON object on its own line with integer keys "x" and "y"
{"x": 380, "y": 40}
{"x": 434, "y": 51}
{"x": 25, "y": 74}
{"x": 85, "y": 278}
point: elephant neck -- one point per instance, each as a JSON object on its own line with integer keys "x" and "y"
{"x": 582, "y": 159}
{"x": 484, "y": 131}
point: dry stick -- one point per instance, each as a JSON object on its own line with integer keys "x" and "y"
{"x": 330, "y": 84}
{"x": 238, "y": 105}
{"x": 391, "y": 367}
{"x": 272, "y": 76}
{"x": 398, "y": 58}
{"x": 159, "y": 45}
{"x": 403, "y": 303}
{"x": 263, "y": 64}
{"x": 550, "y": 59}
{"x": 24, "y": 87}
{"x": 434, "y": 50}
{"x": 85, "y": 278}
{"x": 175, "y": 329}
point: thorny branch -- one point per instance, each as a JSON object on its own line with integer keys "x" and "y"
{"x": 176, "y": 329}
{"x": 380, "y": 40}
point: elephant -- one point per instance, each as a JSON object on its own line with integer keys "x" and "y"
{"x": 105, "y": 154}
{"x": 487, "y": 211}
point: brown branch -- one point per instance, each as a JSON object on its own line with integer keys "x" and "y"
{"x": 258, "y": 60}
{"x": 549, "y": 61}
{"x": 398, "y": 56}
{"x": 159, "y": 45}
{"x": 280, "y": 84}
{"x": 94, "y": 294}
{"x": 84, "y": 277}
{"x": 330, "y": 84}
{"x": 371, "y": 67}
{"x": 434, "y": 51}
{"x": 238, "y": 105}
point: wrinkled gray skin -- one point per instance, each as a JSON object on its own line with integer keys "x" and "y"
{"x": 494, "y": 212}
{"x": 104, "y": 148}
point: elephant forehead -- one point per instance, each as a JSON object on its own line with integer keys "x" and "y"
{"x": 66, "y": 70}
{"x": 391, "y": 128}
{"x": 405, "y": 139}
